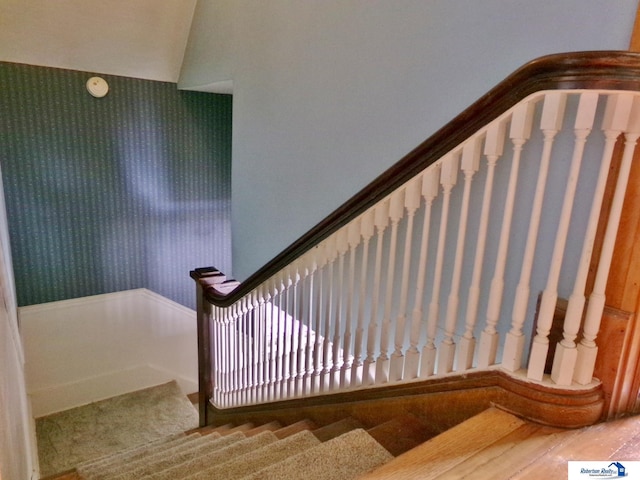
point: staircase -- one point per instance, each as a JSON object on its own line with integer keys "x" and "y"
{"x": 492, "y": 444}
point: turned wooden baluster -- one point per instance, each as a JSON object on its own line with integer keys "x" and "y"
{"x": 274, "y": 327}
{"x": 281, "y": 322}
{"x": 550, "y": 124}
{"x": 342, "y": 247}
{"x": 519, "y": 133}
{"x": 366, "y": 230}
{"x": 296, "y": 326}
{"x": 587, "y": 349}
{"x": 309, "y": 315}
{"x": 448, "y": 178}
{"x": 263, "y": 351}
{"x": 540, "y": 346}
{"x": 470, "y": 164}
{"x": 493, "y": 149}
{"x": 353, "y": 237}
{"x": 429, "y": 191}
{"x": 331, "y": 253}
{"x": 396, "y": 210}
{"x": 321, "y": 260}
{"x": 411, "y": 204}
{"x": 381, "y": 221}
{"x": 615, "y": 122}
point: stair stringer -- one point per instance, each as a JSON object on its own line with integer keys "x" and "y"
{"x": 442, "y": 403}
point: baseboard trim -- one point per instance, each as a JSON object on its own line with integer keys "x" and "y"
{"x": 442, "y": 402}
{"x": 87, "y": 349}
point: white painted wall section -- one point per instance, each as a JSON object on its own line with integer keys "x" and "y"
{"x": 83, "y": 350}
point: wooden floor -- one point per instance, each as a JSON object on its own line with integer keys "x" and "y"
{"x": 498, "y": 445}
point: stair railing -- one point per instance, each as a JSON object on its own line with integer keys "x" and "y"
{"x": 436, "y": 268}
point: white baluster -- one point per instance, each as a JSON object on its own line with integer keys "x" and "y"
{"x": 318, "y": 348}
{"x": 287, "y": 332}
{"x": 366, "y": 230}
{"x": 282, "y": 335}
{"x": 296, "y": 328}
{"x": 587, "y": 349}
{"x": 448, "y": 178}
{"x": 354, "y": 240}
{"x": 235, "y": 369}
{"x": 493, "y": 149}
{"x": 331, "y": 252}
{"x": 275, "y": 339}
{"x": 519, "y": 133}
{"x": 396, "y": 210}
{"x": 342, "y": 246}
{"x": 381, "y": 221}
{"x": 540, "y": 346}
{"x": 470, "y": 164}
{"x": 411, "y": 204}
{"x": 306, "y": 366}
{"x": 550, "y": 124}
{"x": 615, "y": 122}
{"x": 263, "y": 353}
{"x": 249, "y": 353}
{"x": 430, "y": 184}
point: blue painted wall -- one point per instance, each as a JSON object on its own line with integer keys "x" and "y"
{"x": 128, "y": 191}
{"x": 329, "y": 94}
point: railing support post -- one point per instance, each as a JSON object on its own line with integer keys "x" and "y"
{"x": 203, "y": 277}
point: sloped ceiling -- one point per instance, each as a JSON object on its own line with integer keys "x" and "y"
{"x": 133, "y": 38}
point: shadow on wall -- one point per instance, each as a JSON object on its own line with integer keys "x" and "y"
{"x": 127, "y": 191}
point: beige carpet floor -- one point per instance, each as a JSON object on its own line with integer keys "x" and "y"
{"x": 74, "y": 436}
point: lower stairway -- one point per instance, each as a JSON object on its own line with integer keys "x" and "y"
{"x": 493, "y": 444}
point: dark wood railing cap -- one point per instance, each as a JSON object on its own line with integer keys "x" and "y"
{"x": 589, "y": 70}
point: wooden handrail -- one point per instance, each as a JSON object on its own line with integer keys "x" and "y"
{"x": 589, "y": 70}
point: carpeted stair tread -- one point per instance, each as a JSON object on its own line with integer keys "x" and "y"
{"x": 336, "y": 429}
{"x": 259, "y": 459}
{"x": 92, "y": 431}
{"x": 170, "y": 458}
{"x": 342, "y": 458}
{"x": 185, "y": 469}
{"x": 133, "y": 454}
{"x": 294, "y": 428}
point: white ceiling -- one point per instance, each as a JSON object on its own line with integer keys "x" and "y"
{"x": 133, "y": 38}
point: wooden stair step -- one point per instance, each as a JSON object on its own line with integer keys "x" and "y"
{"x": 450, "y": 448}
{"x": 245, "y": 427}
{"x": 510, "y": 454}
{"x": 402, "y": 433}
{"x": 597, "y": 442}
{"x": 265, "y": 427}
{"x": 336, "y": 429}
{"x": 221, "y": 429}
{"x": 69, "y": 475}
{"x": 294, "y": 428}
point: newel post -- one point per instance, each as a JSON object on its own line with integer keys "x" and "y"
{"x": 203, "y": 277}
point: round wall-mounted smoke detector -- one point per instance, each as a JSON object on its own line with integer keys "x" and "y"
{"x": 97, "y": 86}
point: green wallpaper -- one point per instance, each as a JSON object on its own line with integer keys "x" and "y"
{"x": 131, "y": 190}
